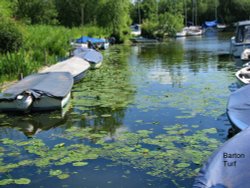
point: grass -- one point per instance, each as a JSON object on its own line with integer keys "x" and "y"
{"x": 43, "y": 45}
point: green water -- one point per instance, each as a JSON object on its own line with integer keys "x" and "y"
{"x": 149, "y": 117}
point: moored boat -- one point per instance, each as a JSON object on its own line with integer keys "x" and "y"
{"x": 241, "y": 40}
{"x": 245, "y": 55}
{"x": 243, "y": 75}
{"x": 84, "y": 41}
{"x": 228, "y": 166}
{"x": 194, "y": 31}
{"x": 238, "y": 108}
{"x": 92, "y": 56}
{"x": 42, "y": 91}
{"x": 143, "y": 40}
{"x": 135, "y": 30}
{"x": 182, "y": 33}
{"x": 76, "y": 66}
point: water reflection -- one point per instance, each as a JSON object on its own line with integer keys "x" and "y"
{"x": 136, "y": 114}
{"x": 32, "y": 124}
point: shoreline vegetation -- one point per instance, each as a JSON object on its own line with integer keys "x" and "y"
{"x": 43, "y": 46}
{"x": 37, "y": 33}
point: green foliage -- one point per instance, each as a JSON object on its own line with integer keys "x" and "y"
{"x": 116, "y": 18}
{"x": 13, "y": 64}
{"x": 36, "y": 11}
{"x": 234, "y": 10}
{"x": 169, "y": 24}
{"x": 10, "y": 35}
{"x": 148, "y": 28}
{"x": 42, "y": 45}
{"x": 5, "y": 8}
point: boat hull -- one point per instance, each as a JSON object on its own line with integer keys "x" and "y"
{"x": 50, "y": 103}
{"x": 22, "y": 103}
{"x": 236, "y": 49}
{"x": 95, "y": 65}
{"x": 243, "y": 75}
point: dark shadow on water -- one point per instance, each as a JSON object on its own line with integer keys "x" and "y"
{"x": 32, "y": 124}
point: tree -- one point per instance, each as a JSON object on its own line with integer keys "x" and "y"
{"x": 234, "y": 10}
{"x": 36, "y": 11}
{"x": 116, "y": 17}
{"x": 77, "y": 12}
{"x": 11, "y": 38}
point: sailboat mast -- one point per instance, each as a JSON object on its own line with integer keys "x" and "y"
{"x": 215, "y": 11}
{"x": 185, "y": 7}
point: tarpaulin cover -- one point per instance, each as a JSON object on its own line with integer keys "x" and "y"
{"x": 238, "y": 107}
{"x": 211, "y": 23}
{"x": 89, "y": 55}
{"x": 57, "y": 84}
{"x": 85, "y": 39}
{"x": 229, "y": 167}
{"x": 73, "y": 65}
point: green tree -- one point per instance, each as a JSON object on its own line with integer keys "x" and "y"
{"x": 11, "y": 38}
{"x": 78, "y": 12}
{"x": 234, "y": 10}
{"x": 6, "y": 7}
{"x": 116, "y": 18}
{"x": 36, "y": 11}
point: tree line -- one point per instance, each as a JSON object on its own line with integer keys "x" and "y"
{"x": 159, "y": 18}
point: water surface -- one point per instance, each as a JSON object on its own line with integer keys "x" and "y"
{"x": 149, "y": 117}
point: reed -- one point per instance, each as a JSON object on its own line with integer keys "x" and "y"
{"x": 43, "y": 45}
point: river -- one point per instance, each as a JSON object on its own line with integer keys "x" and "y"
{"x": 149, "y": 117}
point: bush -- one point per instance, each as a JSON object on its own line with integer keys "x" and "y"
{"x": 10, "y": 36}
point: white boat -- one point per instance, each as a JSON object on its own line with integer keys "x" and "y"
{"x": 42, "y": 91}
{"x": 135, "y": 30}
{"x": 221, "y": 26}
{"x": 76, "y": 66}
{"x": 245, "y": 55}
{"x": 241, "y": 40}
{"x": 243, "y": 75}
{"x": 182, "y": 33}
{"x": 90, "y": 42}
{"x": 194, "y": 31}
{"x": 92, "y": 56}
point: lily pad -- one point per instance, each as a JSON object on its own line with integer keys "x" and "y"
{"x": 22, "y": 181}
{"x": 80, "y": 164}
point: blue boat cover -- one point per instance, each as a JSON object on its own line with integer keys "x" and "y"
{"x": 229, "y": 167}
{"x": 54, "y": 84}
{"x": 85, "y": 39}
{"x": 238, "y": 108}
{"x": 211, "y": 23}
{"x": 90, "y": 55}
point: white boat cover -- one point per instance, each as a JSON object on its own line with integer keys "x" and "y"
{"x": 238, "y": 107}
{"x": 229, "y": 166}
{"x": 90, "y": 55}
{"x": 56, "y": 84}
{"x": 74, "y": 65}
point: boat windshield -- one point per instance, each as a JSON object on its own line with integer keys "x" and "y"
{"x": 243, "y": 34}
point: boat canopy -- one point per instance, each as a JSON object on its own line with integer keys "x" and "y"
{"x": 55, "y": 84}
{"x": 85, "y": 39}
{"x": 88, "y": 54}
{"x": 229, "y": 166}
{"x": 211, "y": 23}
{"x": 238, "y": 107}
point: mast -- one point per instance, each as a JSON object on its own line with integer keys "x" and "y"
{"x": 185, "y": 7}
{"x": 215, "y": 11}
{"x": 193, "y": 11}
{"x": 139, "y": 11}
